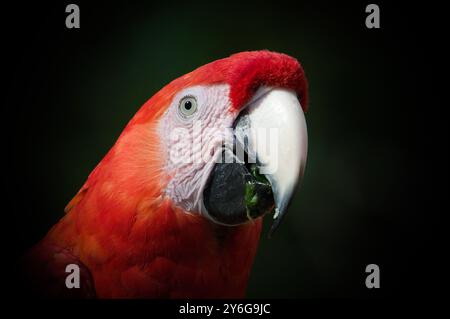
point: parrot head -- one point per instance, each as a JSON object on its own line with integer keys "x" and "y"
{"x": 226, "y": 142}
{"x": 175, "y": 207}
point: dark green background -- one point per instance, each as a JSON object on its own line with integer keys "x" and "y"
{"x": 369, "y": 183}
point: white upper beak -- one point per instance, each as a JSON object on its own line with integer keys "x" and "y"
{"x": 276, "y": 135}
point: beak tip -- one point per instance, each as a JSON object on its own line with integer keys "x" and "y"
{"x": 278, "y": 217}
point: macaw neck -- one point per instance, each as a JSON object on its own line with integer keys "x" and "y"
{"x": 150, "y": 239}
{"x": 137, "y": 243}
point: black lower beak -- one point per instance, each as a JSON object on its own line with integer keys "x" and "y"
{"x": 237, "y": 193}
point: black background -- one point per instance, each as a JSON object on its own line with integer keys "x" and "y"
{"x": 376, "y": 118}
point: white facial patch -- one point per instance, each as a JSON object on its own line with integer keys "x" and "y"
{"x": 193, "y": 141}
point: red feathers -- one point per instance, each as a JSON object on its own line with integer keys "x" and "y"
{"x": 245, "y": 72}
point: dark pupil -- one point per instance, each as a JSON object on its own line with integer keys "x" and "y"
{"x": 187, "y": 105}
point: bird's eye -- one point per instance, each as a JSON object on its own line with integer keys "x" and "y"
{"x": 188, "y": 106}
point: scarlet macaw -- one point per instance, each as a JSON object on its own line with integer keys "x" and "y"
{"x": 147, "y": 224}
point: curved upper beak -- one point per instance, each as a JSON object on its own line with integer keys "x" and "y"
{"x": 272, "y": 130}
